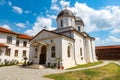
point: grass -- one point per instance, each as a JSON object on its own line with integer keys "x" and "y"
{"x": 86, "y": 65}
{"x": 108, "y": 72}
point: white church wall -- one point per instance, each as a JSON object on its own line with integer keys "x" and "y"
{"x": 93, "y": 50}
{"x": 67, "y": 61}
{"x": 79, "y": 45}
{"x": 89, "y": 50}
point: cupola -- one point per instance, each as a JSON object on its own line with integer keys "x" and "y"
{"x": 65, "y": 19}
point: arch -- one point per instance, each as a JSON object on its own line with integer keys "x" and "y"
{"x": 42, "y": 58}
{"x": 53, "y": 51}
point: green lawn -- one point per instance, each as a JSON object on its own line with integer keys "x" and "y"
{"x": 86, "y": 65}
{"x": 108, "y": 72}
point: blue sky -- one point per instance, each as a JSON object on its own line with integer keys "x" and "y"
{"x": 101, "y": 17}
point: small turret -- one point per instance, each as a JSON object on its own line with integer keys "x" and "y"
{"x": 79, "y": 24}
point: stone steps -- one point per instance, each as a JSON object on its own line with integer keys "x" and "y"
{"x": 36, "y": 66}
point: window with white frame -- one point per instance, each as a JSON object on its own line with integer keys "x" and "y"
{"x": 8, "y": 50}
{"x": 9, "y": 39}
{"x": 16, "y": 53}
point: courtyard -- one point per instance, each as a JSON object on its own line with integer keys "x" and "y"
{"x": 19, "y": 73}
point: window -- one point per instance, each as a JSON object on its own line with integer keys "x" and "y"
{"x": 36, "y": 52}
{"x": 0, "y": 51}
{"x": 24, "y": 53}
{"x": 80, "y": 51}
{"x": 79, "y": 28}
{"x": 9, "y": 39}
{"x": 53, "y": 51}
{"x": 16, "y": 53}
{"x": 68, "y": 51}
{"x": 17, "y": 43}
{"x": 61, "y": 23}
{"x": 25, "y": 43}
{"x": 8, "y": 52}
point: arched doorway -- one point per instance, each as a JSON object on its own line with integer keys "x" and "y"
{"x": 42, "y": 58}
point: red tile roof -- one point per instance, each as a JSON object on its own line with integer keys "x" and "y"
{"x": 24, "y": 36}
{"x": 6, "y": 31}
{"x": 2, "y": 45}
{"x": 111, "y": 46}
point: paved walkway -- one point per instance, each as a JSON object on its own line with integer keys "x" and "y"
{"x": 17, "y": 73}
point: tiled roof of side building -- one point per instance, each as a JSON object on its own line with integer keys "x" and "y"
{"x": 24, "y": 36}
{"x": 110, "y": 46}
{"x": 6, "y": 31}
{"x": 2, "y": 45}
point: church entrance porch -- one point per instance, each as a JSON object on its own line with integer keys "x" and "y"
{"x": 42, "y": 56}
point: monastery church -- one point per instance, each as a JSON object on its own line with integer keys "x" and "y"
{"x": 67, "y": 46}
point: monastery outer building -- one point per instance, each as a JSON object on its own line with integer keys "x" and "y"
{"x": 13, "y": 46}
{"x": 67, "y": 46}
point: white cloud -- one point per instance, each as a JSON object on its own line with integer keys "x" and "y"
{"x": 113, "y": 39}
{"x": 17, "y": 9}
{"x": 55, "y": 7}
{"x": 52, "y": 16}
{"x": 103, "y": 19}
{"x": 115, "y": 31}
{"x": 40, "y": 23}
{"x": 5, "y": 26}
{"x": 110, "y": 40}
{"x": 64, "y": 3}
{"x": 21, "y": 25}
{"x": 53, "y": 1}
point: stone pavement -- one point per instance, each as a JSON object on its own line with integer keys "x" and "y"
{"x": 18, "y": 73}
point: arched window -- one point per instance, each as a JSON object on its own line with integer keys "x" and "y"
{"x": 36, "y": 52}
{"x": 53, "y": 52}
{"x": 80, "y": 51}
{"x": 68, "y": 51}
{"x": 79, "y": 28}
{"x": 61, "y": 23}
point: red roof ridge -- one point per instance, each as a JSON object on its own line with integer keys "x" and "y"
{"x": 19, "y": 35}
{"x": 24, "y": 36}
{"x": 109, "y": 46}
{"x": 7, "y": 30}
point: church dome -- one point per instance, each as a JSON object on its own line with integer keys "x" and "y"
{"x": 78, "y": 19}
{"x": 65, "y": 13}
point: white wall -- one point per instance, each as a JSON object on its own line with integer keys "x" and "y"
{"x": 13, "y": 47}
{"x": 79, "y": 44}
{"x": 67, "y": 21}
{"x": 67, "y": 61}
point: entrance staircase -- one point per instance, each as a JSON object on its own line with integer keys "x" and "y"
{"x": 36, "y": 66}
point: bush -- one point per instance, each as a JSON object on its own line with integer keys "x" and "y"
{"x": 8, "y": 62}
